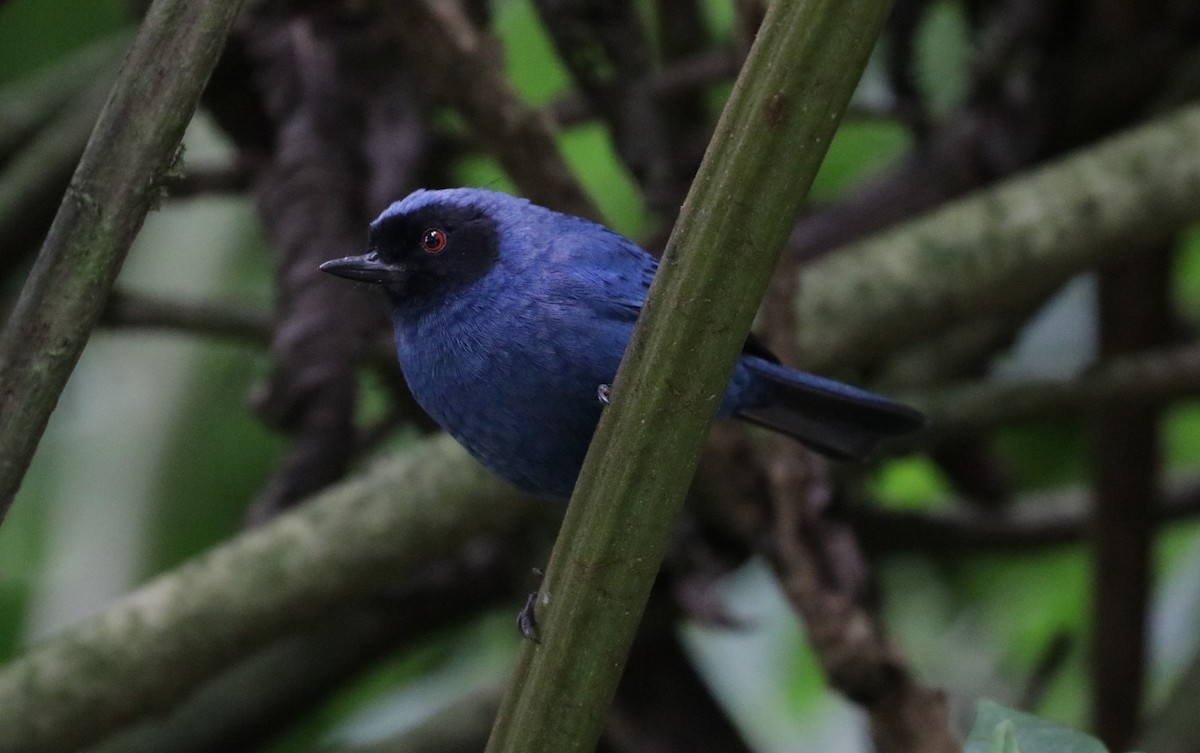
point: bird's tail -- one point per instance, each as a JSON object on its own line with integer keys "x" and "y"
{"x": 832, "y": 418}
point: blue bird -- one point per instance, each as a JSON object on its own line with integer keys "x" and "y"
{"x": 510, "y": 321}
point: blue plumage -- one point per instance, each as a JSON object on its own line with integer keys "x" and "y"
{"x": 508, "y": 317}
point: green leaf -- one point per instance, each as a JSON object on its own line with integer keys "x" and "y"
{"x": 1004, "y": 738}
{"x": 1003, "y": 730}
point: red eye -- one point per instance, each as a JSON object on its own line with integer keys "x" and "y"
{"x": 433, "y": 240}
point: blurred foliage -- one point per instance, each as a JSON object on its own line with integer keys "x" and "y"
{"x": 1001, "y": 730}
{"x": 153, "y": 452}
{"x": 34, "y": 32}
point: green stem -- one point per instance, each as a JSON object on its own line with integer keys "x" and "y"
{"x": 119, "y": 180}
{"x": 769, "y": 142}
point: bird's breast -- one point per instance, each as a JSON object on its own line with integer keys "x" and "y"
{"x": 514, "y": 382}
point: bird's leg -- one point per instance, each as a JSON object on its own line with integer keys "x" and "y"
{"x": 526, "y": 619}
{"x": 603, "y": 391}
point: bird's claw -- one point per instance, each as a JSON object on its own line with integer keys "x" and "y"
{"x": 527, "y": 621}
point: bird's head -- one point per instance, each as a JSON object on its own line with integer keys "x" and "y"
{"x": 429, "y": 244}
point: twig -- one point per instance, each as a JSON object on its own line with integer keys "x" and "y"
{"x": 822, "y": 573}
{"x": 234, "y": 178}
{"x": 118, "y": 181}
{"x": 225, "y": 320}
{"x": 607, "y": 52}
{"x": 1045, "y": 671}
{"x": 682, "y": 76}
{"x": 1035, "y": 521}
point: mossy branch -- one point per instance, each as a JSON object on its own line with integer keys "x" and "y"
{"x": 769, "y": 142}
{"x": 153, "y": 647}
{"x": 1001, "y": 248}
{"x": 119, "y": 180}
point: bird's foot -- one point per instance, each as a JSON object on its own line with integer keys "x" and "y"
{"x": 602, "y": 392}
{"x": 526, "y": 619}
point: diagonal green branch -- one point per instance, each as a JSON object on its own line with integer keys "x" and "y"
{"x": 119, "y": 180}
{"x": 768, "y": 144}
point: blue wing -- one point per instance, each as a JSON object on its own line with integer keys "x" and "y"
{"x": 604, "y": 271}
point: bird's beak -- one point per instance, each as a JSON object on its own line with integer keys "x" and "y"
{"x": 365, "y": 268}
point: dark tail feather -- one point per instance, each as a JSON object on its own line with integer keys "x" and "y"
{"x": 832, "y": 418}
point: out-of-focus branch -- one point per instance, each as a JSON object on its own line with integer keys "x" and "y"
{"x": 979, "y": 254}
{"x": 821, "y": 571}
{"x": 234, "y": 178}
{"x": 225, "y": 320}
{"x": 119, "y": 179}
{"x": 1150, "y": 377}
{"x": 1034, "y": 521}
{"x": 263, "y": 695}
{"x": 311, "y": 196}
{"x": 460, "y": 65}
{"x": 33, "y": 182}
{"x": 28, "y": 105}
{"x": 606, "y": 49}
{"x": 151, "y": 648}
{"x": 685, "y": 75}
